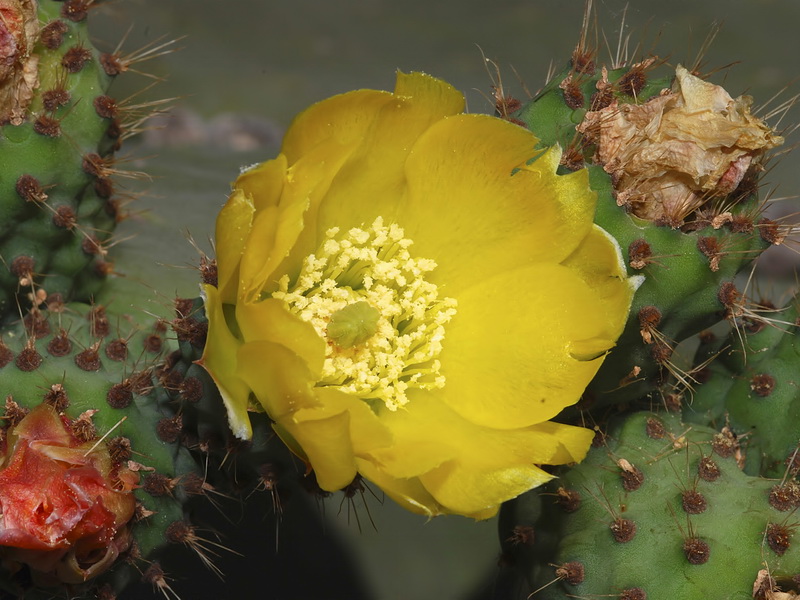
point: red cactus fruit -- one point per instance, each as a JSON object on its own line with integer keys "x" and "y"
{"x": 65, "y": 504}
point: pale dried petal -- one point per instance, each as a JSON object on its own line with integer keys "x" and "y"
{"x": 673, "y": 153}
{"x": 19, "y": 28}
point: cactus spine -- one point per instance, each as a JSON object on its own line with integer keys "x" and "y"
{"x": 98, "y": 374}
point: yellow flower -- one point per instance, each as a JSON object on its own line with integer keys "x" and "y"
{"x": 410, "y": 293}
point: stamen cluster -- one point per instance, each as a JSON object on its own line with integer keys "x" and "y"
{"x": 375, "y": 266}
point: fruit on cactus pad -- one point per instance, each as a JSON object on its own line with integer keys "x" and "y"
{"x": 65, "y": 506}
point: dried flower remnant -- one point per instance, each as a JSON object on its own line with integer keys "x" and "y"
{"x": 674, "y": 153}
{"x": 65, "y": 504}
{"x": 19, "y": 28}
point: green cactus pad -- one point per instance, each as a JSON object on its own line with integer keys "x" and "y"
{"x": 58, "y": 203}
{"x": 753, "y": 388}
{"x": 659, "y": 510}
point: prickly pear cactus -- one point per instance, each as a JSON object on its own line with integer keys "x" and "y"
{"x": 658, "y": 510}
{"x": 94, "y": 479}
{"x": 60, "y": 129}
{"x": 664, "y": 507}
{"x": 675, "y": 162}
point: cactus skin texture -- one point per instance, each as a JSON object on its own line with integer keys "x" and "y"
{"x": 58, "y": 203}
{"x": 753, "y": 388}
{"x": 686, "y": 256}
{"x": 658, "y": 510}
{"x": 105, "y": 376}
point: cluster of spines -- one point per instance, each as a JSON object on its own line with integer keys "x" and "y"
{"x": 752, "y": 380}
{"x": 583, "y": 86}
{"x": 683, "y": 295}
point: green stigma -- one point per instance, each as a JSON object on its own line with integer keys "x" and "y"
{"x": 353, "y": 325}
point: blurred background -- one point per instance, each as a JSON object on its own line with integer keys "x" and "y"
{"x": 244, "y": 69}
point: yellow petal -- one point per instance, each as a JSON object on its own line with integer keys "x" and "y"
{"x": 571, "y": 443}
{"x": 408, "y": 493}
{"x": 371, "y": 183}
{"x": 445, "y": 437}
{"x": 233, "y": 226}
{"x": 263, "y": 183}
{"x": 440, "y": 98}
{"x": 260, "y": 255}
{"x": 342, "y": 119}
{"x": 367, "y": 431}
{"x": 326, "y": 443}
{"x": 517, "y": 332}
{"x": 422, "y": 451}
{"x": 296, "y": 235}
{"x": 598, "y": 261}
{"x": 220, "y": 360}
{"x": 270, "y": 321}
{"x": 279, "y": 378}
{"x": 470, "y": 491}
{"x": 282, "y": 385}
{"x": 276, "y": 228}
{"x": 474, "y": 217}
{"x": 348, "y": 117}
{"x": 482, "y": 515}
{"x": 488, "y": 467}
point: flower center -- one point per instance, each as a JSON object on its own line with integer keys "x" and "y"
{"x": 353, "y": 325}
{"x": 383, "y": 321}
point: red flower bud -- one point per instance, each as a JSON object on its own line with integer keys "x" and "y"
{"x": 65, "y": 504}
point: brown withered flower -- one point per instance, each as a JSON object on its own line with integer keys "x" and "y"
{"x": 19, "y": 28}
{"x": 672, "y": 154}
